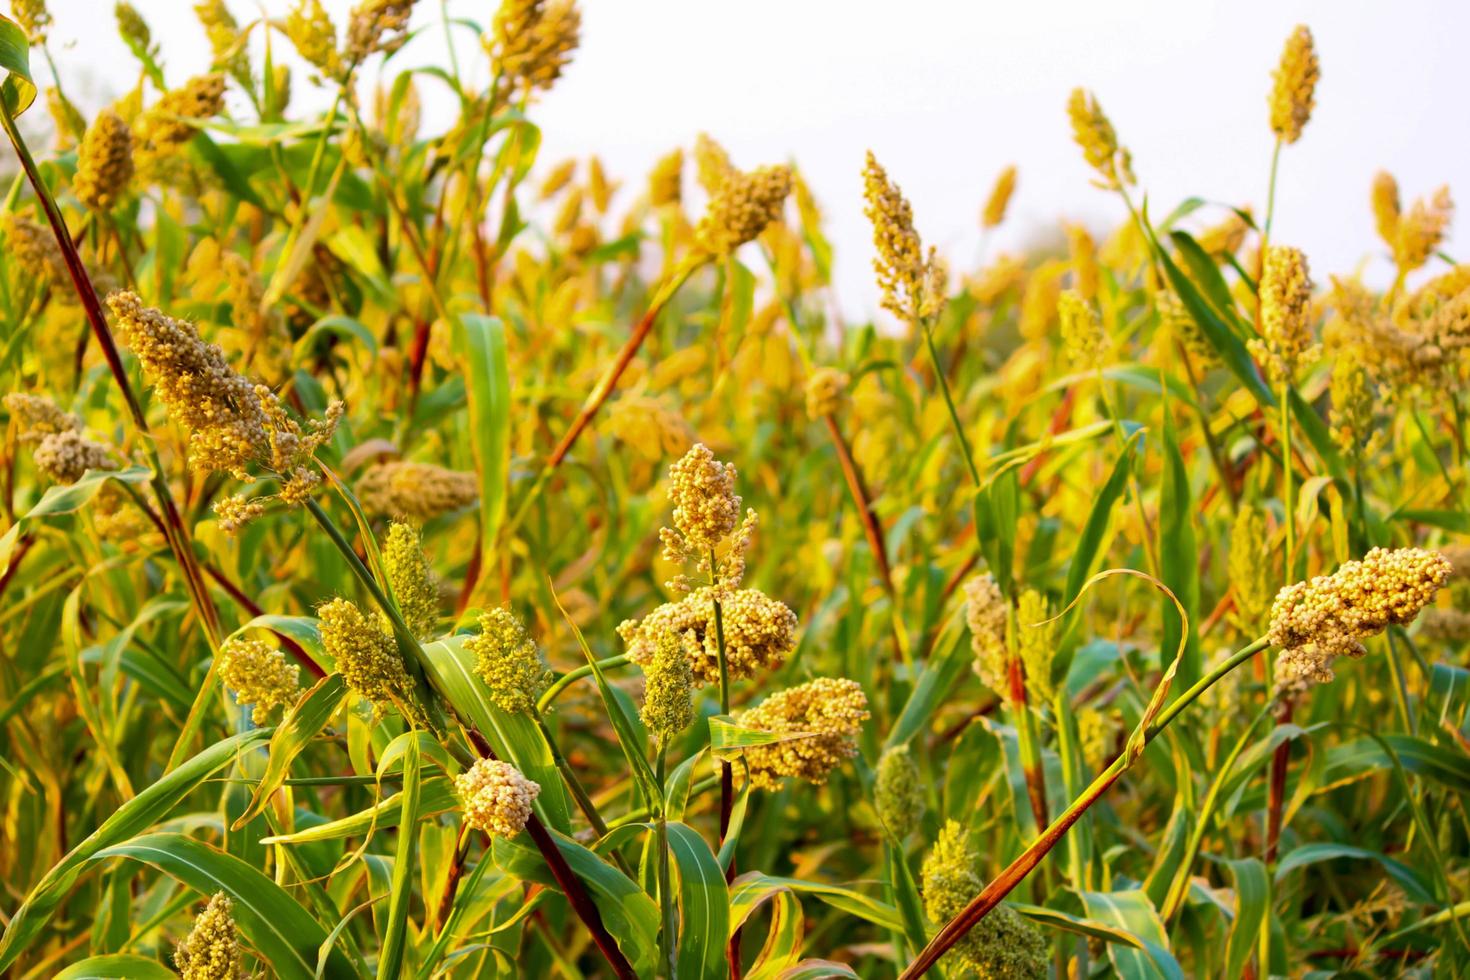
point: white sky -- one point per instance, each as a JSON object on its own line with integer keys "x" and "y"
{"x": 948, "y": 93}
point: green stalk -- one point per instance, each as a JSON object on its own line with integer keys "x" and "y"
{"x": 1179, "y": 887}
{"x": 954, "y": 415}
{"x": 991, "y": 896}
{"x": 1286, "y": 491}
{"x": 667, "y": 944}
{"x": 572, "y": 676}
{"x": 579, "y": 793}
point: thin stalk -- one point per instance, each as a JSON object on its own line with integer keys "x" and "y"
{"x": 579, "y": 793}
{"x": 572, "y": 676}
{"x": 603, "y": 388}
{"x": 991, "y": 896}
{"x": 666, "y": 943}
{"x": 1270, "y": 197}
{"x": 1288, "y": 505}
{"x": 954, "y": 415}
{"x": 1276, "y": 790}
{"x": 1179, "y": 887}
{"x": 1029, "y": 742}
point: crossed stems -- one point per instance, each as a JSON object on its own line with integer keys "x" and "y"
{"x": 991, "y": 896}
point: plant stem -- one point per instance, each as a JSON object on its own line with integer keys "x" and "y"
{"x": 954, "y": 415}
{"x": 1179, "y": 887}
{"x": 603, "y": 388}
{"x": 665, "y": 889}
{"x": 579, "y": 793}
{"x": 572, "y": 676}
{"x": 991, "y": 896}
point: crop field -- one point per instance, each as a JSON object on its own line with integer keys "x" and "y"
{"x": 423, "y": 558}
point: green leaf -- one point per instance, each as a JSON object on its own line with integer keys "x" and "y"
{"x": 67, "y": 499}
{"x": 818, "y": 970}
{"x": 754, "y": 887}
{"x": 335, "y": 325}
{"x": 704, "y": 905}
{"x": 300, "y": 725}
{"x": 1076, "y": 924}
{"x": 1178, "y": 560}
{"x": 624, "y": 725}
{"x": 1252, "y": 905}
{"x": 514, "y": 738}
{"x": 1084, "y": 555}
{"x": 390, "y": 959}
{"x": 1132, "y": 911}
{"x": 938, "y": 678}
{"x": 134, "y": 816}
{"x": 1230, "y": 347}
{"x": 727, "y": 739}
{"x": 117, "y": 966}
{"x": 275, "y": 923}
{"x": 1415, "y": 886}
{"x": 628, "y": 913}
{"x": 906, "y": 895}
{"x": 438, "y": 797}
{"x": 487, "y": 377}
{"x": 1207, "y": 275}
{"x": 17, "y": 90}
{"x": 782, "y": 948}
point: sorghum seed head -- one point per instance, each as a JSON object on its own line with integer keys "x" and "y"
{"x": 1082, "y": 250}
{"x": 985, "y": 613}
{"x": 532, "y": 41}
{"x": 66, "y": 456}
{"x": 311, "y": 30}
{"x": 711, "y": 162}
{"x": 33, "y": 249}
{"x": 211, "y": 951}
{"x": 232, "y": 423}
{"x": 104, "y": 161}
{"x": 1250, "y": 568}
{"x": 407, "y": 569}
{"x": 649, "y": 426}
{"x": 1421, "y": 230}
{"x": 905, "y": 275}
{"x": 508, "y": 661}
{"x": 1330, "y": 616}
{"x": 37, "y": 416}
{"x": 496, "y": 797}
{"x": 829, "y": 710}
{"x": 367, "y": 658}
{"x": 666, "y": 180}
{"x": 1000, "y": 198}
{"x": 1286, "y": 305}
{"x": 1082, "y": 331}
{"x": 259, "y": 675}
{"x": 668, "y": 692}
{"x": 1355, "y": 401}
{"x": 1036, "y": 642}
{"x": 760, "y": 632}
{"x": 702, "y": 490}
{"x": 1295, "y": 82}
{"x": 224, "y": 36}
{"x": 419, "y": 491}
{"x": 132, "y": 27}
{"x": 33, "y": 18}
{"x": 377, "y": 27}
{"x": 1386, "y": 207}
{"x": 163, "y": 130}
{"x": 898, "y": 794}
{"x": 824, "y": 391}
{"x": 742, "y": 208}
{"x": 1003, "y": 944}
{"x": 1094, "y": 133}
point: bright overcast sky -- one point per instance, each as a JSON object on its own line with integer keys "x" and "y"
{"x": 948, "y": 93}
